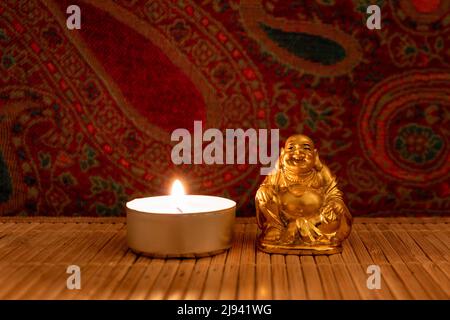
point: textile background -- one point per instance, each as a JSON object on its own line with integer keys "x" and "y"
{"x": 86, "y": 115}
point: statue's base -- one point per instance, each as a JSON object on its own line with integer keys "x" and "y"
{"x": 303, "y": 250}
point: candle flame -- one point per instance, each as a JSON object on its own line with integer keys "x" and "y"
{"x": 177, "y": 193}
{"x": 177, "y": 189}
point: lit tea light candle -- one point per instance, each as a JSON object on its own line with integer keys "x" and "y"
{"x": 180, "y": 225}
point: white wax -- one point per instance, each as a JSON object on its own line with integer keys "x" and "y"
{"x": 188, "y": 204}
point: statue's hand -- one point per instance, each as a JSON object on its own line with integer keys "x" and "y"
{"x": 331, "y": 211}
{"x": 265, "y": 194}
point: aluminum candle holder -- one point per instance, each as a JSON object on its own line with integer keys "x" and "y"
{"x": 179, "y": 225}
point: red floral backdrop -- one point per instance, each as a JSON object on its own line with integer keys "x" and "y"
{"x": 86, "y": 115}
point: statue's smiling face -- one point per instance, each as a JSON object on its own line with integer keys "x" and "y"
{"x": 299, "y": 154}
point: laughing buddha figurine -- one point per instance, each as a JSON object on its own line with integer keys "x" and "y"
{"x": 299, "y": 208}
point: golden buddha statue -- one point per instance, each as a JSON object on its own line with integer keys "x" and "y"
{"x": 299, "y": 208}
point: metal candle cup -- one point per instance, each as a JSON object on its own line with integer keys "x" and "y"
{"x": 180, "y": 225}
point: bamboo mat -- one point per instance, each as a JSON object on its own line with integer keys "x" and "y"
{"x": 412, "y": 253}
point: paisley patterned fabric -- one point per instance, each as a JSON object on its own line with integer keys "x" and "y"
{"x": 86, "y": 115}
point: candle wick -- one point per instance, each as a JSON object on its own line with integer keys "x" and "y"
{"x": 181, "y": 211}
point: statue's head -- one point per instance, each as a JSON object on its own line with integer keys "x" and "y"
{"x": 299, "y": 155}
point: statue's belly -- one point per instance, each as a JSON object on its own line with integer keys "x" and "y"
{"x": 297, "y": 201}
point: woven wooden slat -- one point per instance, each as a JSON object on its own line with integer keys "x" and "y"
{"x": 413, "y": 254}
{"x": 228, "y": 289}
{"x": 198, "y": 279}
{"x": 213, "y": 281}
